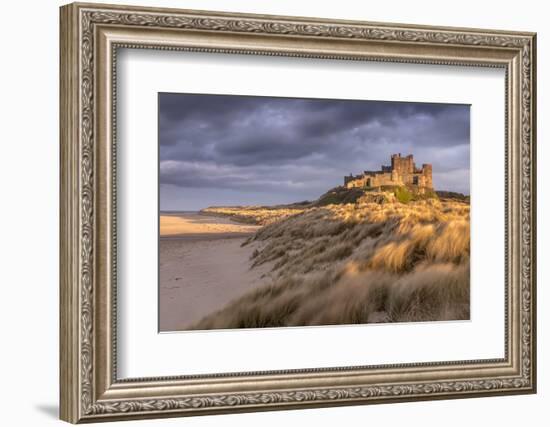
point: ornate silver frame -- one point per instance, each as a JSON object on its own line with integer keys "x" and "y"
{"x": 90, "y": 36}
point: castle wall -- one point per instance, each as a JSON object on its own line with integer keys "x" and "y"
{"x": 382, "y": 179}
{"x": 374, "y": 180}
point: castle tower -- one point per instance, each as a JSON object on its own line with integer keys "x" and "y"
{"x": 409, "y": 164}
{"x": 394, "y": 160}
{"x": 427, "y": 173}
{"x": 404, "y": 167}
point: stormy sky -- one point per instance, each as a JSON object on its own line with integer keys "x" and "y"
{"x": 237, "y": 150}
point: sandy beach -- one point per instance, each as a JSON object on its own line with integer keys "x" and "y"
{"x": 202, "y": 266}
{"x": 193, "y": 224}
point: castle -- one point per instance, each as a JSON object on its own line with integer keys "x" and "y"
{"x": 401, "y": 172}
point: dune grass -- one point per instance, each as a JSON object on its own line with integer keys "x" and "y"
{"x": 260, "y": 215}
{"x": 360, "y": 262}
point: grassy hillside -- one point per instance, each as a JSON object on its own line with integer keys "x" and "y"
{"x": 260, "y": 215}
{"x": 367, "y": 261}
{"x": 264, "y": 215}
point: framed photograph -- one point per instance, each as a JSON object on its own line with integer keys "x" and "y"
{"x": 266, "y": 212}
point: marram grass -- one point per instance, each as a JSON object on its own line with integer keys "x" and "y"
{"x": 355, "y": 263}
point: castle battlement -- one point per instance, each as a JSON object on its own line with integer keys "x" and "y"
{"x": 402, "y": 171}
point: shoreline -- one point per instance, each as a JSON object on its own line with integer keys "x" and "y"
{"x": 203, "y": 267}
{"x": 198, "y": 225}
{"x": 207, "y": 236}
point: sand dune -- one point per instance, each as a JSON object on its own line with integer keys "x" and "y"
{"x": 364, "y": 262}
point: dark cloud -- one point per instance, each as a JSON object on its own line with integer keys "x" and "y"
{"x": 287, "y": 148}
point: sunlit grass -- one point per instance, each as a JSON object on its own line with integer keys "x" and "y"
{"x": 253, "y": 214}
{"x": 360, "y": 262}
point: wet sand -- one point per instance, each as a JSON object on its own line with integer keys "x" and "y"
{"x": 203, "y": 267}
